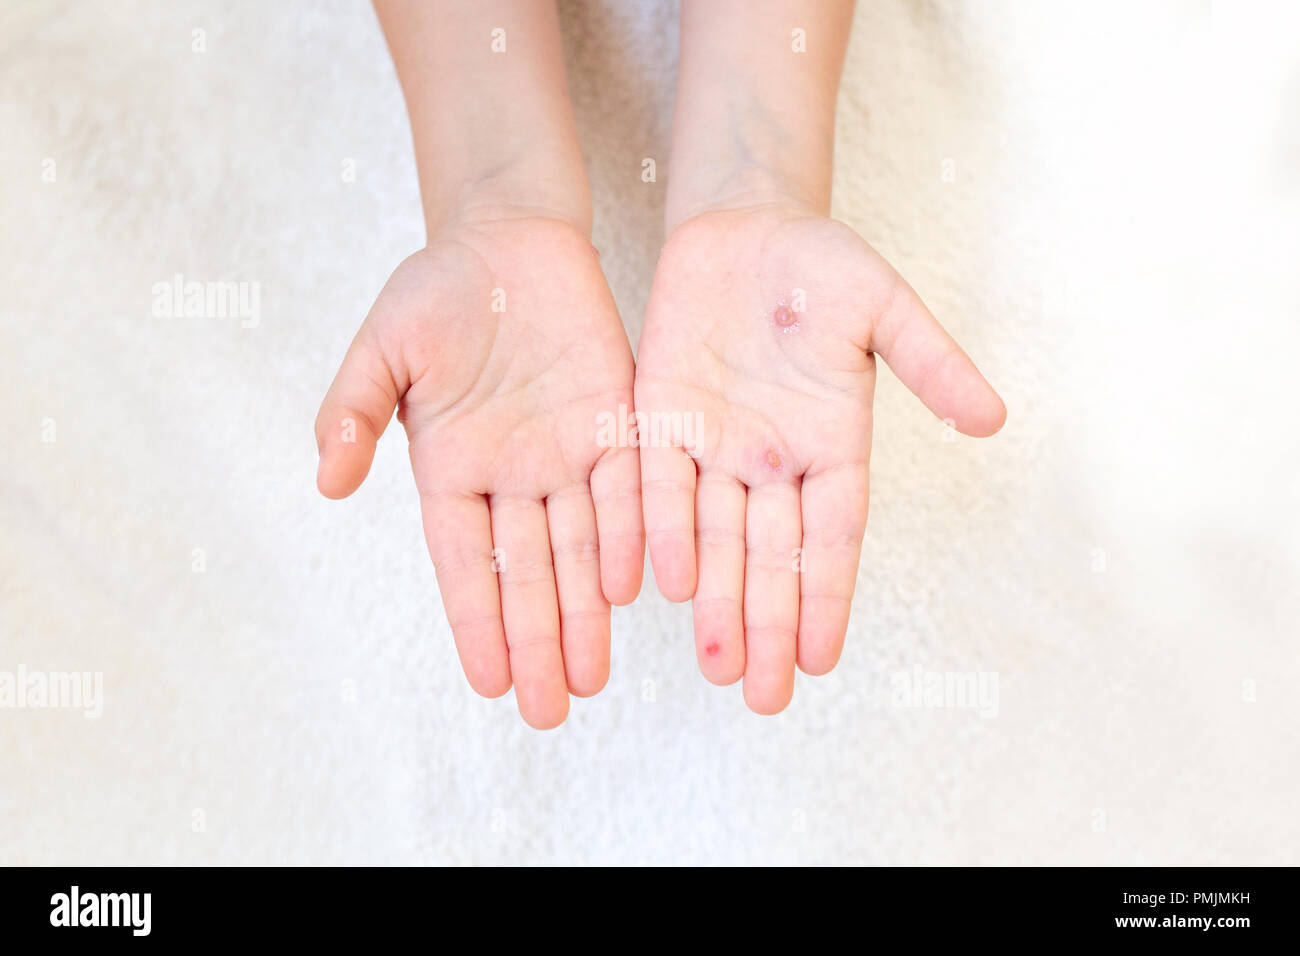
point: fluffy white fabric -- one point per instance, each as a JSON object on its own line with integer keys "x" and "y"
{"x": 1098, "y": 200}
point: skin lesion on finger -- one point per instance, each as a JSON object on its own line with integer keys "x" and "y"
{"x": 768, "y": 463}
{"x": 772, "y": 462}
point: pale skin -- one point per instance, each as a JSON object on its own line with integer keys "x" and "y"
{"x": 764, "y": 321}
{"x": 499, "y": 344}
{"x": 761, "y": 525}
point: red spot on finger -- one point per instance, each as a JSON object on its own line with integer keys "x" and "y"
{"x": 712, "y": 649}
{"x": 773, "y": 459}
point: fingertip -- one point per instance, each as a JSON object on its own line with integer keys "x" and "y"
{"x": 489, "y": 685}
{"x": 622, "y": 598}
{"x": 546, "y": 717}
{"x": 585, "y": 645}
{"x": 719, "y": 640}
{"x": 589, "y": 683}
{"x": 338, "y": 475}
{"x": 819, "y": 663}
{"x": 997, "y": 417}
{"x": 346, "y": 445}
{"x": 621, "y": 595}
{"x": 720, "y": 673}
{"x": 720, "y": 652}
{"x": 329, "y": 484}
{"x": 541, "y": 685}
{"x": 972, "y": 405}
{"x": 766, "y": 698}
{"x": 986, "y": 417}
{"x": 621, "y": 576}
{"x": 483, "y": 657}
{"x": 672, "y": 558}
{"x": 823, "y": 626}
{"x": 676, "y": 581}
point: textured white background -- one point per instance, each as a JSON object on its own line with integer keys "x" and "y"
{"x": 1118, "y": 249}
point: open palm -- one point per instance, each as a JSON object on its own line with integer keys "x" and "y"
{"x": 761, "y": 333}
{"x": 503, "y": 348}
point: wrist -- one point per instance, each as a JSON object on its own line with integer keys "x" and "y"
{"x": 526, "y": 193}
{"x": 754, "y": 121}
{"x": 747, "y": 187}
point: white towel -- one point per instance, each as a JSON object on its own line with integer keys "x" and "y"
{"x": 1100, "y": 203}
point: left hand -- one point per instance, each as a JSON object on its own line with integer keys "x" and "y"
{"x": 764, "y": 322}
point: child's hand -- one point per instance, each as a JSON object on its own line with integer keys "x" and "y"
{"x": 763, "y": 320}
{"x": 502, "y": 344}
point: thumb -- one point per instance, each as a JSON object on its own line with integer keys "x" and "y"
{"x": 933, "y": 366}
{"x": 355, "y": 412}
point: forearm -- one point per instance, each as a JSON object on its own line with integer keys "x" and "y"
{"x": 493, "y": 130}
{"x": 755, "y": 120}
